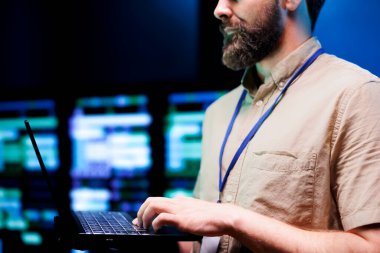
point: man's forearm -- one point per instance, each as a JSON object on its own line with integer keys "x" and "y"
{"x": 257, "y": 232}
{"x": 262, "y": 234}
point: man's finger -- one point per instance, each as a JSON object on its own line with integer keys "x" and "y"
{"x": 141, "y": 211}
{"x": 164, "y": 219}
{"x": 156, "y": 207}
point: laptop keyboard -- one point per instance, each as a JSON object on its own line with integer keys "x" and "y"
{"x": 106, "y": 222}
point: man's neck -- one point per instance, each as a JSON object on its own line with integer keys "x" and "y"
{"x": 288, "y": 43}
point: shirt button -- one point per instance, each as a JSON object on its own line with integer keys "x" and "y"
{"x": 228, "y": 198}
{"x": 259, "y": 103}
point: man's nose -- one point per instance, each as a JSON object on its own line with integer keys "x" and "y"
{"x": 223, "y": 10}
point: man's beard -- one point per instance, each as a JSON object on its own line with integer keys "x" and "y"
{"x": 248, "y": 44}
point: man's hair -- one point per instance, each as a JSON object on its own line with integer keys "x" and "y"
{"x": 314, "y": 7}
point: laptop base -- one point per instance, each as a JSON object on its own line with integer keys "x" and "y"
{"x": 69, "y": 238}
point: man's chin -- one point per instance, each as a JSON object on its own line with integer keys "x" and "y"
{"x": 231, "y": 58}
{"x": 233, "y": 65}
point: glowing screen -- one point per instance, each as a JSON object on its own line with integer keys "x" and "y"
{"x": 25, "y": 202}
{"x": 183, "y": 134}
{"x": 111, "y": 153}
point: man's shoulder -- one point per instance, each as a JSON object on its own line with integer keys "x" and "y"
{"x": 339, "y": 68}
{"x": 226, "y": 101}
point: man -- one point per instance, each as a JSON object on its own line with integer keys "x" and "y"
{"x": 292, "y": 155}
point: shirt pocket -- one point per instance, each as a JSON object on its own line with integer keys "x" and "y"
{"x": 281, "y": 185}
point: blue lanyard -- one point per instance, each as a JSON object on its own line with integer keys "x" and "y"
{"x": 222, "y": 181}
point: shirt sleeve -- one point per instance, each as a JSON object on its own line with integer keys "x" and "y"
{"x": 356, "y": 152}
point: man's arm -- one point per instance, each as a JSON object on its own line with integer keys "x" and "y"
{"x": 263, "y": 234}
{"x": 257, "y": 232}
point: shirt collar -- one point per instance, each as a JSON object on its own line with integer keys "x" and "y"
{"x": 282, "y": 70}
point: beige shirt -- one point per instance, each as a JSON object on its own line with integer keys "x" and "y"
{"x": 315, "y": 162}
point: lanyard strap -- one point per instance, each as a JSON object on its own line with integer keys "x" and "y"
{"x": 222, "y": 181}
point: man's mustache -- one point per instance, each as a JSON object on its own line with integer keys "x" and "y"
{"x": 228, "y": 29}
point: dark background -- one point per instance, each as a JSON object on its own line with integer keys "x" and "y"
{"x": 151, "y": 47}
{"x": 47, "y": 47}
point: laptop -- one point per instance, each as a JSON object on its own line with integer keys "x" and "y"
{"x": 93, "y": 229}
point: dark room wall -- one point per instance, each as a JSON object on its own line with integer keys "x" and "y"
{"x": 70, "y": 44}
{"x": 97, "y": 43}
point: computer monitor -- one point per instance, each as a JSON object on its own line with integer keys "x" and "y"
{"x": 26, "y": 208}
{"x": 111, "y": 153}
{"x": 183, "y": 135}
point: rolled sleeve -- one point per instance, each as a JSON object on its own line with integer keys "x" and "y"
{"x": 357, "y": 148}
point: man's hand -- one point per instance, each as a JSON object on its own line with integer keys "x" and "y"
{"x": 187, "y": 214}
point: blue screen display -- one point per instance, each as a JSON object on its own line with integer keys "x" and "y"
{"x": 25, "y": 202}
{"x": 183, "y": 136}
{"x": 111, "y": 153}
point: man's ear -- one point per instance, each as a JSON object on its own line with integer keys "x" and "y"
{"x": 291, "y": 5}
